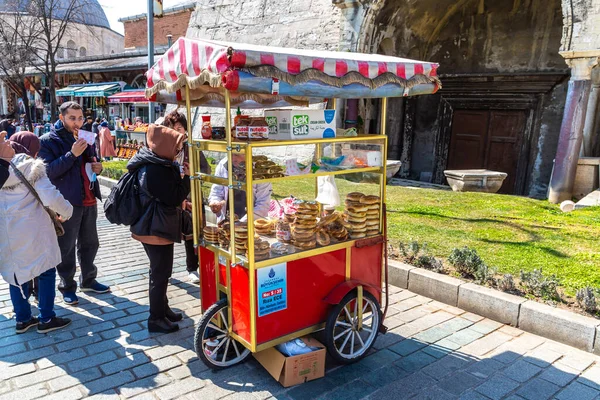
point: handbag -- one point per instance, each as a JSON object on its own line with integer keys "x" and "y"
{"x": 58, "y": 228}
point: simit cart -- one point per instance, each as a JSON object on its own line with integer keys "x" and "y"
{"x": 250, "y": 305}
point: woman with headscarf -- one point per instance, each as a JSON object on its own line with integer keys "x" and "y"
{"x": 107, "y": 149}
{"x": 162, "y": 190}
{"x": 28, "y": 242}
{"x": 25, "y": 143}
{"x": 178, "y": 121}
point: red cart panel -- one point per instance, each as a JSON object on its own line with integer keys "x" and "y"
{"x": 309, "y": 281}
{"x": 367, "y": 266}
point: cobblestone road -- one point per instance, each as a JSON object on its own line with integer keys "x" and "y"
{"x": 432, "y": 351}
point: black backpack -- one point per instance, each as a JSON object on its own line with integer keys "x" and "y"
{"x": 123, "y": 205}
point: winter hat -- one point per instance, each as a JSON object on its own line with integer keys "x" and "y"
{"x": 164, "y": 142}
{"x": 104, "y": 123}
{"x": 25, "y": 143}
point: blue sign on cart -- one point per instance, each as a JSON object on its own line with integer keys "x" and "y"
{"x": 272, "y": 289}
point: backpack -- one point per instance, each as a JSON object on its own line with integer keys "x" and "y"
{"x": 123, "y": 205}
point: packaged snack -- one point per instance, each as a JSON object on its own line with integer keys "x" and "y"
{"x": 206, "y": 130}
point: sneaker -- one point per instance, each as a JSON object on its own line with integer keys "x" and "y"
{"x": 194, "y": 277}
{"x": 52, "y": 325}
{"x": 23, "y": 327}
{"x": 96, "y": 287}
{"x": 70, "y": 298}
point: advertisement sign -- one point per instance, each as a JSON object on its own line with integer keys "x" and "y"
{"x": 271, "y": 289}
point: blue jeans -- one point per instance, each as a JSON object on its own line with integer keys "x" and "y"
{"x": 46, "y": 294}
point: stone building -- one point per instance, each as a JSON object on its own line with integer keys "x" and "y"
{"x": 502, "y": 65}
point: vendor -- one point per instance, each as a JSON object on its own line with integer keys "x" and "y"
{"x": 219, "y": 194}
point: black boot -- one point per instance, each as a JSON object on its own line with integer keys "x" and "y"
{"x": 173, "y": 316}
{"x": 162, "y": 326}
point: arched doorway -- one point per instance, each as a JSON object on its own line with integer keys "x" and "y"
{"x": 503, "y": 86}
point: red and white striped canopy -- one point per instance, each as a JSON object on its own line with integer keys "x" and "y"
{"x": 203, "y": 64}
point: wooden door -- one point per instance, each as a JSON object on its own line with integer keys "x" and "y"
{"x": 488, "y": 139}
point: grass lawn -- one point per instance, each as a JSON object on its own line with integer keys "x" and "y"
{"x": 510, "y": 233}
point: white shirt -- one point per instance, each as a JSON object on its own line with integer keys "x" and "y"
{"x": 261, "y": 193}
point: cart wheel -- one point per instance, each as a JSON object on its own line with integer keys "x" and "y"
{"x": 345, "y": 341}
{"x": 213, "y": 344}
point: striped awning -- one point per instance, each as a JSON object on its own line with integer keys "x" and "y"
{"x": 128, "y": 96}
{"x": 278, "y": 74}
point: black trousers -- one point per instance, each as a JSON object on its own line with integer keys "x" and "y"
{"x": 81, "y": 239}
{"x": 161, "y": 268}
{"x": 191, "y": 258}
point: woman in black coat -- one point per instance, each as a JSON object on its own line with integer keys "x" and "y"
{"x": 162, "y": 191}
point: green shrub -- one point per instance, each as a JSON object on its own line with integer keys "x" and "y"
{"x": 586, "y": 298}
{"x": 411, "y": 251}
{"x": 466, "y": 261}
{"x": 535, "y": 283}
{"x": 506, "y": 283}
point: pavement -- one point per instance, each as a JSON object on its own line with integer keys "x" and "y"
{"x": 432, "y": 351}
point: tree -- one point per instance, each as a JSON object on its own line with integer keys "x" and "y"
{"x": 17, "y": 37}
{"x": 55, "y": 18}
{"x": 46, "y": 24}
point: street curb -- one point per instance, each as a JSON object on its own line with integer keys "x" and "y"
{"x": 104, "y": 181}
{"x": 561, "y": 325}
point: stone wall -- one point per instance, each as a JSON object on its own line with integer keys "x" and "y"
{"x": 581, "y": 29}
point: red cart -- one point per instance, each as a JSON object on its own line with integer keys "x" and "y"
{"x": 250, "y": 305}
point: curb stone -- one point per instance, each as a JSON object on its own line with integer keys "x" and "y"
{"x": 104, "y": 181}
{"x": 499, "y": 306}
{"x": 563, "y": 326}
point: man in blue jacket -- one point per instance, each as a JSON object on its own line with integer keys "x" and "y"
{"x": 71, "y": 167}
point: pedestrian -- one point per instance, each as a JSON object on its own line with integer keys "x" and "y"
{"x": 31, "y": 249}
{"x": 23, "y": 141}
{"x": 72, "y": 168}
{"x": 96, "y": 126}
{"x": 95, "y": 131}
{"x": 107, "y": 148}
{"x": 7, "y": 125}
{"x": 177, "y": 121}
{"x": 87, "y": 126}
{"x": 162, "y": 190}
{"x": 6, "y": 154}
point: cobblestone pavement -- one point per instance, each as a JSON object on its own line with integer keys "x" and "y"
{"x": 432, "y": 351}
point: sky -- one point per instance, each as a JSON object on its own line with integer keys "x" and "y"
{"x": 115, "y": 9}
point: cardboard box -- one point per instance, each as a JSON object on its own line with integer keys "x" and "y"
{"x": 301, "y": 124}
{"x": 290, "y": 371}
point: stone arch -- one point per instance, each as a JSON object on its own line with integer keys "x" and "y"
{"x": 468, "y": 35}
{"x": 483, "y": 46}
{"x": 82, "y": 51}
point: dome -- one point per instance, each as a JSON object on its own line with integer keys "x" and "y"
{"x": 93, "y": 15}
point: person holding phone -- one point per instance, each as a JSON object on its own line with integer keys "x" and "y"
{"x": 71, "y": 166}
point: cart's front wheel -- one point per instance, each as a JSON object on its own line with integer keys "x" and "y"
{"x": 214, "y": 346}
{"x": 348, "y": 339}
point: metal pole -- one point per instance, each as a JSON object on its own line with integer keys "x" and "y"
{"x": 150, "y": 18}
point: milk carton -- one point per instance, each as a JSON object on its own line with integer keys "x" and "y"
{"x": 300, "y": 124}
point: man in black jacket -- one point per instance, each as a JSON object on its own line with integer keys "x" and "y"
{"x": 6, "y": 154}
{"x": 71, "y": 167}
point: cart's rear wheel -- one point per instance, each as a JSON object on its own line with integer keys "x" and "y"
{"x": 213, "y": 344}
{"x": 348, "y": 341}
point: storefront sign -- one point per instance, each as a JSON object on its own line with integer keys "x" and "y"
{"x": 271, "y": 289}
